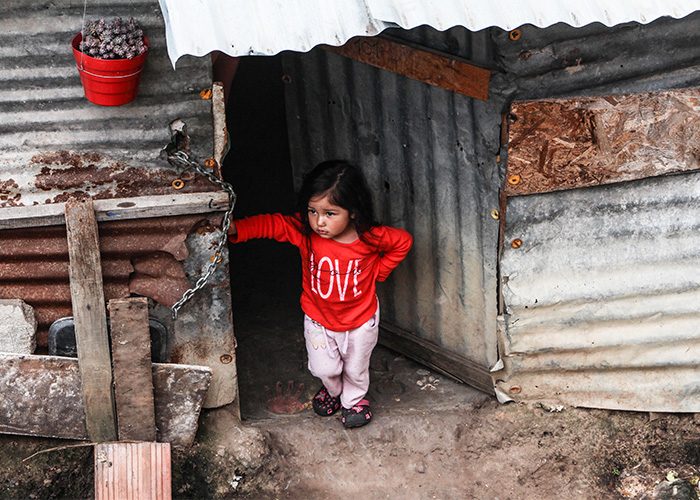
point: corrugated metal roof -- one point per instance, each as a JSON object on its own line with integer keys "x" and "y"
{"x": 267, "y": 27}
{"x": 601, "y": 298}
{"x": 52, "y": 140}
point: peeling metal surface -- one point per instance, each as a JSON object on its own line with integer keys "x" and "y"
{"x": 34, "y": 262}
{"x": 601, "y": 297}
{"x": 54, "y": 142}
{"x": 573, "y": 143}
{"x": 204, "y": 327}
{"x": 240, "y": 28}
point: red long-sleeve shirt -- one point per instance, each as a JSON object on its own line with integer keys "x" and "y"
{"x": 339, "y": 279}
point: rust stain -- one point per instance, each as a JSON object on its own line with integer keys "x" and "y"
{"x": 9, "y": 193}
{"x": 160, "y": 277}
{"x": 34, "y": 261}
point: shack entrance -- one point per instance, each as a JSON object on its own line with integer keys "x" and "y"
{"x": 266, "y": 276}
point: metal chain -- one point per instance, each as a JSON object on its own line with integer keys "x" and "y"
{"x": 182, "y": 161}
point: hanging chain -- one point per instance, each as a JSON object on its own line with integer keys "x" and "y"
{"x": 182, "y": 161}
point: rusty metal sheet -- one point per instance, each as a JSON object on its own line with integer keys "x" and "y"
{"x": 56, "y": 176}
{"x": 34, "y": 262}
{"x": 600, "y": 289}
{"x": 41, "y": 397}
{"x": 557, "y": 144}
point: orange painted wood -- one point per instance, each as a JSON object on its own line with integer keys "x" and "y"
{"x": 447, "y": 72}
{"x": 131, "y": 361}
{"x": 133, "y": 471}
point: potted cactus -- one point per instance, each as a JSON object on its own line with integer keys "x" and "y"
{"x": 110, "y": 56}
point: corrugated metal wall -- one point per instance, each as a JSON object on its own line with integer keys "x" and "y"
{"x": 42, "y": 107}
{"x": 599, "y": 299}
{"x": 602, "y": 296}
{"x": 429, "y": 156}
{"x": 54, "y": 143}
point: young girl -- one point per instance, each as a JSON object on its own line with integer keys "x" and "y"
{"x": 343, "y": 254}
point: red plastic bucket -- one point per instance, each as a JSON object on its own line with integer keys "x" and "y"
{"x": 109, "y": 82}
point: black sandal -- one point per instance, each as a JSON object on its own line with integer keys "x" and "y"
{"x": 358, "y": 415}
{"x": 324, "y": 404}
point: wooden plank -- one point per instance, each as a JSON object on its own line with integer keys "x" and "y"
{"x": 88, "y": 303}
{"x": 131, "y": 361}
{"x": 556, "y": 144}
{"x": 440, "y": 70}
{"x": 117, "y": 209}
{"x": 436, "y": 357}
{"x": 133, "y": 470}
{"x": 221, "y": 136}
{"x": 41, "y": 397}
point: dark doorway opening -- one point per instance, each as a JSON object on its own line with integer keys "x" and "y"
{"x": 265, "y": 275}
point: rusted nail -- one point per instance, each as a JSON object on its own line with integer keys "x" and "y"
{"x": 495, "y": 214}
{"x": 516, "y": 389}
{"x": 516, "y": 243}
{"x": 178, "y": 184}
{"x": 514, "y": 179}
{"x": 210, "y": 163}
{"x": 226, "y": 358}
{"x": 205, "y": 94}
{"x": 515, "y": 35}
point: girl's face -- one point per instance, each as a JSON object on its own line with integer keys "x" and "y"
{"x": 331, "y": 221}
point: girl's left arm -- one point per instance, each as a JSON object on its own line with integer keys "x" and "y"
{"x": 395, "y": 244}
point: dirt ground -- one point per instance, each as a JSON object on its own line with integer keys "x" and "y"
{"x": 431, "y": 438}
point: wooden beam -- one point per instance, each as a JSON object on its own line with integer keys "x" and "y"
{"x": 133, "y": 471}
{"x": 117, "y": 209}
{"x": 88, "y": 303}
{"x": 131, "y": 360}
{"x": 418, "y": 63}
{"x": 41, "y": 397}
{"x": 436, "y": 357}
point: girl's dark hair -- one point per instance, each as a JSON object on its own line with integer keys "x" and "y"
{"x": 345, "y": 186}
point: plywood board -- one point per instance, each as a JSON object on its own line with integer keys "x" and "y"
{"x": 556, "y": 144}
{"x": 41, "y": 397}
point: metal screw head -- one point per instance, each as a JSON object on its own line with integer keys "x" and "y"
{"x": 205, "y": 94}
{"x": 286, "y": 78}
{"x": 210, "y": 163}
{"x": 514, "y": 179}
{"x": 226, "y": 358}
{"x": 495, "y": 214}
{"x": 515, "y": 35}
{"x": 517, "y": 243}
{"x": 178, "y": 184}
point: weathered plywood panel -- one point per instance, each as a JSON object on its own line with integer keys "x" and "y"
{"x": 557, "y": 144}
{"x": 138, "y": 471}
{"x": 447, "y": 72}
{"x": 41, "y": 397}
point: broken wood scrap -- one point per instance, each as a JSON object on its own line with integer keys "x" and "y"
{"x": 41, "y": 397}
{"x": 90, "y": 315}
{"x": 131, "y": 360}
